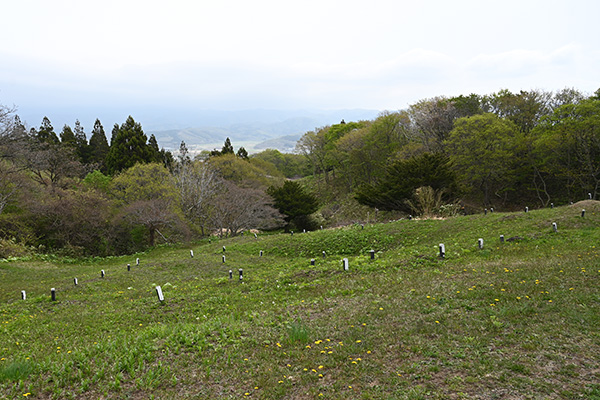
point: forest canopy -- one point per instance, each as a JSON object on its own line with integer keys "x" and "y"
{"x": 61, "y": 192}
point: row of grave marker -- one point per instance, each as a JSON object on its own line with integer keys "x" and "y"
{"x": 345, "y": 263}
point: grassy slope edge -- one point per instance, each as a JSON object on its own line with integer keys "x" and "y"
{"x": 513, "y": 320}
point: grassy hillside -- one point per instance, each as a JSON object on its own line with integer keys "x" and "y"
{"x": 514, "y": 320}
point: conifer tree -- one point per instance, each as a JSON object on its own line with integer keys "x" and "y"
{"x": 155, "y": 155}
{"x": 227, "y": 147}
{"x": 67, "y": 137}
{"x": 81, "y": 143}
{"x": 46, "y": 132}
{"x": 129, "y": 147}
{"x": 98, "y": 147}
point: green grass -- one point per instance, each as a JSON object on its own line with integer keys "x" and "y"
{"x": 518, "y": 319}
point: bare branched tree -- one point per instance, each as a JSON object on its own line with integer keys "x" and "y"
{"x": 237, "y": 209}
{"x": 197, "y": 183}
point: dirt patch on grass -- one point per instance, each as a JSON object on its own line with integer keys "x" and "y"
{"x": 587, "y": 204}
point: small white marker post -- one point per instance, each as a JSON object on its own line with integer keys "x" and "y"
{"x": 75, "y": 281}
{"x": 223, "y": 249}
{"x": 492, "y": 209}
{"x": 582, "y": 213}
{"x": 485, "y": 211}
{"x": 192, "y": 253}
{"x": 128, "y": 267}
{"x": 551, "y": 205}
{"x": 102, "y": 274}
{"x": 23, "y": 295}
{"x": 345, "y": 263}
{"x": 442, "y": 250}
{"x": 137, "y": 261}
{"x": 223, "y": 259}
{"x": 526, "y": 209}
{"x": 480, "y": 243}
{"x": 241, "y": 275}
{"x": 372, "y": 252}
{"x": 53, "y": 294}
{"x": 230, "y": 274}
{"x": 255, "y": 236}
{"x": 159, "y": 293}
{"x": 554, "y": 227}
{"x": 323, "y": 253}
{"x": 590, "y": 195}
{"x": 312, "y": 261}
{"x": 501, "y": 238}
{"x": 260, "y": 254}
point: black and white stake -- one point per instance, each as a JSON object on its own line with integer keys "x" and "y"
{"x": 223, "y": 249}
{"x": 23, "y": 295}
{"x": 192, "y": 253}
{"x": 582, "y": 213}
{"x": 526, "y": 209}
{"x": 260, "y": 254}
{"x": 485, "y": 211}
{"x": 102, "y": 274}
{"x": 372, "y": 253}
{"x": 159, "y": 293}
{"x": 312, "y": 261}
{"x": 75, "y": 281}
{"x": 345, "y": 264}
{"x": 501, "y": 238}
{"x": 53, "y": 294}
{"x": 128, "y": 267}
{"x": 241, "y": 275}
{"x": 442, "y": 250}
{"x": 323, "y": 254}
{"x": 137, "y": 261}
{"x": 230, "y": 274}
{"x": 480, "y": 243}
{"x": 223, "y": 259}
{"x": 551, "y": 205}
{"x": 554, "y": 227}
{"x": 590, "y": 195}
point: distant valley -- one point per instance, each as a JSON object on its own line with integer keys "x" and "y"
{"x": 277, "y": 130}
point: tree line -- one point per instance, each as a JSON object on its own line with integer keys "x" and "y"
{"x": 440, "y": 156}
{"x": 63, "y": 193}
{"x": 503, "y": 150}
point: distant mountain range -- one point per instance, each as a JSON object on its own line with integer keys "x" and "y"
{"x": 203, "y": 129}
{"x": 256, "y": 131}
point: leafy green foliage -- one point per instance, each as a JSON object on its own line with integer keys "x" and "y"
{"x": 403, "y": 177}
{"x": 294, "y": 202}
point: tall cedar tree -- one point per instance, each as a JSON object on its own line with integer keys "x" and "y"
{"x": 98, "y": 147}
{"x": 129, "y": 147}
{"x": 46, "y": 132}
{"x": 67, "y": 137}
{"x": 82, "y": 148}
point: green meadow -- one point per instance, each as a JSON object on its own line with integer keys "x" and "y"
{"x": 518, "y": 319}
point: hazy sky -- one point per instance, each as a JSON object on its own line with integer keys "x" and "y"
{"x": 318, "y": 54}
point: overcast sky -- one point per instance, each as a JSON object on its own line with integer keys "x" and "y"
{"x": 276, "y": 54}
